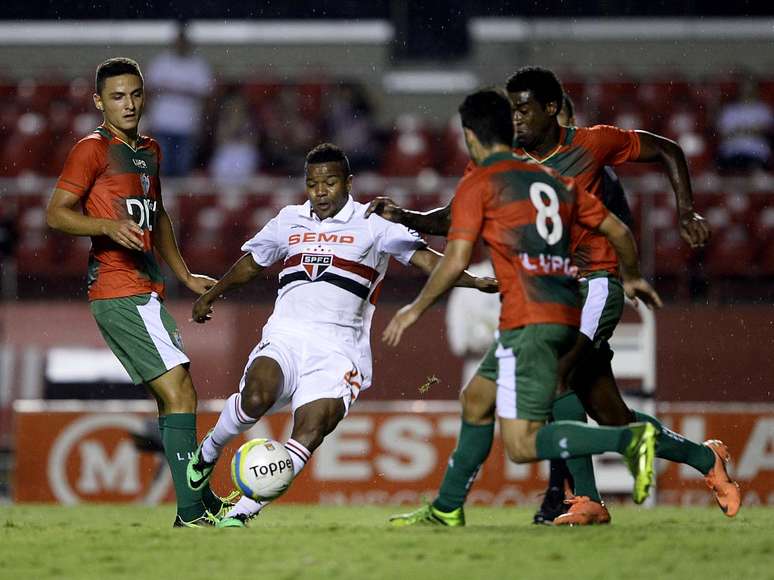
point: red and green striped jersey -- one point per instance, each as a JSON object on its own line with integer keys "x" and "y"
{"x": 117, "y": 181}
{"x": 582, "y": 154}
{"x": 525, "y": 214}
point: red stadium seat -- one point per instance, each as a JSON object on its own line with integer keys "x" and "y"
{"x": 455, "y": 155}
{"x": 731, "y": 253}
{"x": 671, "y": 254}
{"x": 409, "y": 150}
{"x": 26, "y": 148}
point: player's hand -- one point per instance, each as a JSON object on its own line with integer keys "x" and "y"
{"x": 638, "y": 289}
{"x": 486, "y": 284}
{"x": 202, "y": 308}
{"x": 694, "y": 229}
{"x": 402, "y": 320}
{"x": 386, "y": 208}
{"x": 126, "y": 233}
{"x": 199, "y": 283}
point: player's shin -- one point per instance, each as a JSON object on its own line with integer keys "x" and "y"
{"x": 674, "y": 447}
{"x": 565, "y": 439}
{"x": 178, "y": 435}
{"x": 473, "y": 446}
{"x": 569, "y": 408}
{"x": 232, "y": 421}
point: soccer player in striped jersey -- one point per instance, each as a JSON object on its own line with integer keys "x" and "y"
{"x": 113, "y": 175}
{"x": 614, "y": 199}
{"x": 536, "y": 96}
{"x": 315, "y": 351}
{"x": 526, "y": 215}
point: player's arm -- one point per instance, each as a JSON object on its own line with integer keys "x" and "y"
{"x": 435, "y": 222}
{"x": 656, "y": 149}
{"x": 427, "y": 259}
{"x": 243, "y": 270}
{"x": 449, "y": 269}
{"x": 622, "y": 240}
{"x": 61, "y": 215}
{"x": 166, "y": 244}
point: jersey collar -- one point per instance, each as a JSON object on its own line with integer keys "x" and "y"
{"x": 344, "y": 215}
{"x": 105, "y": 131}
{"x": 497, "y": 157}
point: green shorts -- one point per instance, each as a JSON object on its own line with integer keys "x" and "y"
{"x": 487, "y": 368}
{"x": 528, "y": 369}
{"x": 603, "y": 304}
{"x": 141, "y": 333}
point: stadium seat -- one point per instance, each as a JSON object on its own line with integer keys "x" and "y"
{"x": 26, "y": 147}
{"x": 671, "y": 254}
{"x": 409, "y": 149}
{"x": 454, "y": 153}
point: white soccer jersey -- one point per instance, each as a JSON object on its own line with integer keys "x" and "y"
{"x": 332, "y": 270}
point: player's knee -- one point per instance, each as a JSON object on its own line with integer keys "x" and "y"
{"x": 477, "y": 406}
{"x": 255, "y": 401}
{"x": 310, "y": 436}
{"x": 614, "y": 416}
{"x": 519, "y": 451}
{"x": 178, "y": 398}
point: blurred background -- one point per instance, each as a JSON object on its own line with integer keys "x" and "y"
{"x": 236, "y": 96}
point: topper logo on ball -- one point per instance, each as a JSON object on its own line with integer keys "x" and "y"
{"x": 94, "y": 459}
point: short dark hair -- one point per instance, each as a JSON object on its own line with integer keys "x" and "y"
{"x": 568, "y": 106}
{"x": 542, "y": 82}
{"x": 328, "y": 153}
{"x": 114, "y": 67}
{"x": 487, "y": 113}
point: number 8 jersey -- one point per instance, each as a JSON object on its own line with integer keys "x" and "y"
{"x": 117, "y": 181}
{"x": 526, "y": 215}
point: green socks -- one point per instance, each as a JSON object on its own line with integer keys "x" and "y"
{"x": 473, "y": 447}
{"x": 569, "y": 408}
{"x": 675, "y": 447}
{"x": 178, "y": 434}
{"x": 565, "y": 439}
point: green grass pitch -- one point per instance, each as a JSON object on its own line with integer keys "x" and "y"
{"x": 293, "y": 542}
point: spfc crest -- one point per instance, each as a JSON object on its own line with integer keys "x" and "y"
{"x": 145, "y": 181}
{"x": 316, "y": 264}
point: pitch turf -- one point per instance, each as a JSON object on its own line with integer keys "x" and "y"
{"x": 289, "y": 542}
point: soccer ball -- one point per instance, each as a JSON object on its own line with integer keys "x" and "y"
{"x": 262, "y": 469}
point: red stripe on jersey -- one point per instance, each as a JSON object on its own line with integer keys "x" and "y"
{"x": 347, "y": 265}
{"x": 376, "y": 292}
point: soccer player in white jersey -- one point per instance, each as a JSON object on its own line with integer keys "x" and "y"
{"x": 315, "y": 351}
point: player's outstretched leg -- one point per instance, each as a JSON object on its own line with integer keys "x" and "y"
{"x": 596, "y": 385}
{"x": 709, "y": 458}
{"x": 473, "y": 446}
{"x": 563, "y": 439}
{"x": 312, "y": 422}
{"x": 262, "y": 385}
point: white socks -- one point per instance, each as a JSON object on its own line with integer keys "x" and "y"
{"x": 298, "y": 454}
{"x": 232, "y": 422}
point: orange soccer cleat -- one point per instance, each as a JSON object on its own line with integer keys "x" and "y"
{"x": 583, "y": 512}
{"x": 725, "y": 489}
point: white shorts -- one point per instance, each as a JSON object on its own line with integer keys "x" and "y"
{"x": 313, "y": 368}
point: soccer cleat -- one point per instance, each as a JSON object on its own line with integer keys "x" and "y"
{"x": 583, "y": 512}
{"x": 725, "y": 489}
{"x": 204, "y": 521}
{"x": 428, "y": 515}
{"x": 235, "y": 521}
{"x": 639, "y": 455}
{"x": 198, "y": 471}
{"x": 226, "y": 504}
{"x": 552, "y": 506}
